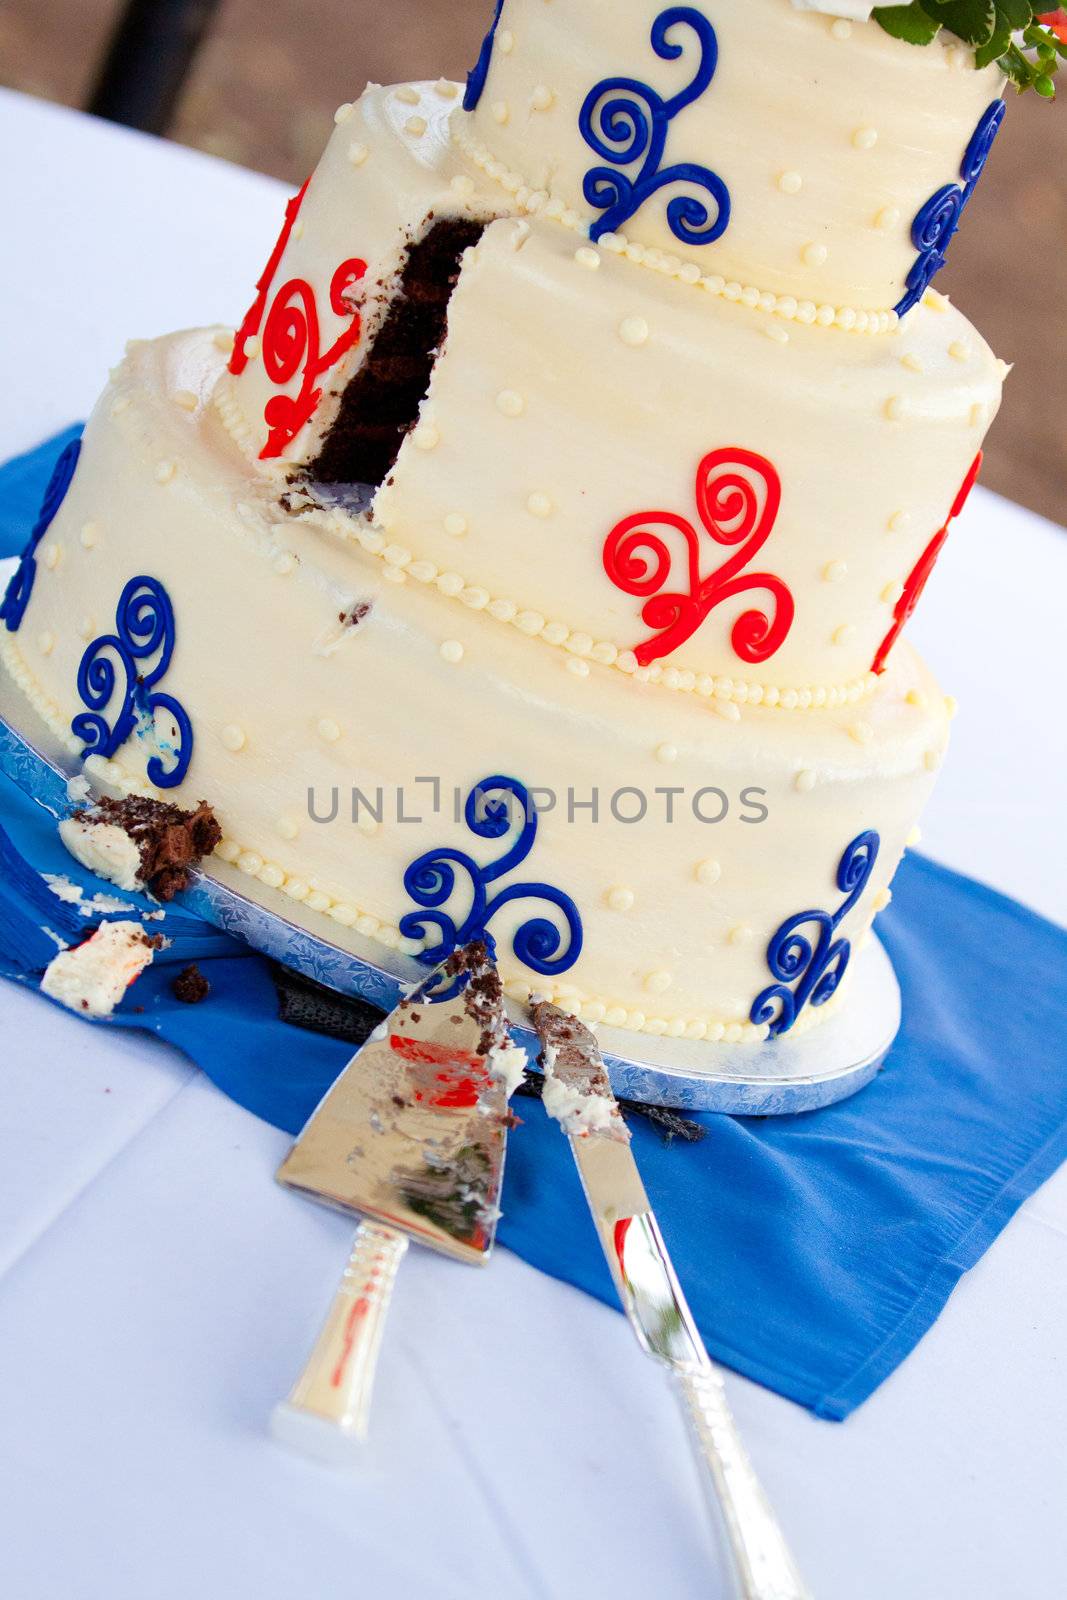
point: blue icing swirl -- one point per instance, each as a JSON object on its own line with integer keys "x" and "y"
{"x": 624, "y": 121}
{"x": 19, "y": 590}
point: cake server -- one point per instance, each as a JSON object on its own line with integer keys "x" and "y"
{"x": 412, "y": 1136}
{"x": 579, "y": 1096}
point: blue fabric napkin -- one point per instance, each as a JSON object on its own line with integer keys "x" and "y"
{"x": 816, "y": 1250}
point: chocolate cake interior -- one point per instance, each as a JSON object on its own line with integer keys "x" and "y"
{"x": 381, "y": 404}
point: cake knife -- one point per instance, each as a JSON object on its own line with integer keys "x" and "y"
{"x": 578, "y": 1094}
{"x": 412, "y": 1136}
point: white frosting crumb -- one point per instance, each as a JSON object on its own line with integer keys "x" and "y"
{"x": 78, "y": 789}
{"x": 578, "y": 1114}
{"x": 507, "y": 1064}
{"x": 92, "y": 978}
{"x": 71, "y": 894}
{"x": 854, "y": 10}
{"x": 103, "y": 848}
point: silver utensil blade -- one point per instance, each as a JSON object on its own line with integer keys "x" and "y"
{"x": 414, "y": 1132}
{"x": 578, "y": 1093}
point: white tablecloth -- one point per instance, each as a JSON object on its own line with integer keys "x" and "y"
{"x": 158, "y": 1292}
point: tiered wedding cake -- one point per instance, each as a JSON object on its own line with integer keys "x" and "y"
{"x": 661, "y": 430}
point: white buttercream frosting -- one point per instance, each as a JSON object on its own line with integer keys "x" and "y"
{"x": 104, "y": 849}
{"x": 854, "y": 10}
{"x": 93, "y": 977}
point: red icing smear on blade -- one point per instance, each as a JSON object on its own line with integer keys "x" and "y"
{"x": 622, "y": 1228}
{"x": 464, "y": 1076}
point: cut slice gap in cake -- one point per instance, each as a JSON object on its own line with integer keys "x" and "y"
{"x": 381, "y": 404}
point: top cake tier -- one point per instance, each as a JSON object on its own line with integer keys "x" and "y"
{"x": 789, "y": 152}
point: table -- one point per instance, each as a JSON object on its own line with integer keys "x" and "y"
{"x": 158, "y": 1292}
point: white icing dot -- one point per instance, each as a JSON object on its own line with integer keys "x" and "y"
{"x": 510, "y": 403}
{"x": 814, "y": 255}
{"x": 284, "y": 564}
{"x": 912, "y": 362}
{"x": 742, "y": 934}
{"x": 881, "y": 899}
{"x": 844, "y": 633}
{"x": 708, "y": 873}
{"x": 578, "y": 668}
{"x": 90, "y": 535}
{"x": 634, "y": 331}
{"x": 46, "y": 643}
{"x": 185, "y": 400}
{"x": 357, "y": 153}
{"x": 892, "y": 592}
{"x": 840, "y": 28}
{"x": 958, "y": 350}
{"x": 287, "y": 828}
{"x": 978, "y": 414}
{"x": 446, "y": 88}
{"x": 407, "y": 95}
{"x": 227, "y": 850}
{"x": 463, "y": 184}
{"x": 620, "y": 898}
{"x": 452, "y": 652}
{"x": 887, "y": 219}
{"x": 165, "y": 471}
{"x": 456, "y": 525}
{"x": 932, "y": 760}
{"x": 917, "y": 698}
{"x": 343, "y": 112}
{"x": 328, "y": 729}
{"x": 223, "y": 340}
{"x": 952, "y": 706}
{"x": 233, "y": 737}
{"x": 426, "y": 436}
{"x": 894, "y": 408}
{"x": 505, "y": 42}
{"x": 667, "y": 753}
{"x": 914, "y": 838}
{"x": 775, "y": 331}
{"x": 900, "y": 521}
{"x": 587, "y": 257}
{"x": 862, "y": 732}
{"x": 53, "y": 555}
{"x": 658, "y": 982}
{"x": 834, "y": 571}
{"x": 86, "y": 627}
{"x": 790, "y": 183}
{"x": 540, "y": 505}
{"x": 804, "y": 782}
{"x": 416, "y": 126}
{"x": 542, "y": 98}
{"x": 501, "y": 113}
{"x": 865, "y": 138}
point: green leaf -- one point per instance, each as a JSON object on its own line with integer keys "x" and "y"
{"x": 997, "y": 45}
{"x": 972, "y": 20}
{"x": 1016, "y": 13}
{"x": 909, "y": 23}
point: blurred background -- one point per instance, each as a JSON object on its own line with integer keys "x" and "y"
{"x": 263, "y": 84}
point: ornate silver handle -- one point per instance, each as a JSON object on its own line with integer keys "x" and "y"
{"x": 327, "y": 1411}
{"x": 766, "y": 1569}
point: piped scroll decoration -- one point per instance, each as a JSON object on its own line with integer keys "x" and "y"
{"x": 434, "y": 883}
{"x": 292, "y": 337}
{"x": 808, "y": 966}
{"x": 919, "y": 576}
{"x": 624, "y": 122}
{"x": 117, "y": 681}
{"x": 937, "y": 222}
{"x": 738, "y": 497}
{"x": 19, "y": 590}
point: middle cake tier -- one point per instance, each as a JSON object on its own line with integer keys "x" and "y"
{"x": 664, "y": 479}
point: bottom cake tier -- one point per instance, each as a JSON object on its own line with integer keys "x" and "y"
{"x": 402, "y": 759}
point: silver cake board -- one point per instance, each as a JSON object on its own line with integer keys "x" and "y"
{"x": 794, "y": 1073}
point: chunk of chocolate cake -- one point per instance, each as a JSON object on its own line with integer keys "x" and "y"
{"x": 140, "y": 843}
